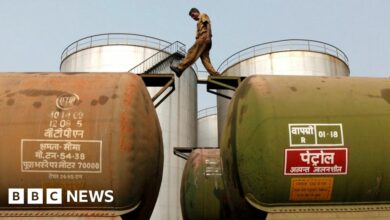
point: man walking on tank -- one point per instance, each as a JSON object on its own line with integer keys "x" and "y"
{"x": 201, "y": 47}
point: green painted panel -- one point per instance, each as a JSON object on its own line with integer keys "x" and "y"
{"x": 309, "y": 141}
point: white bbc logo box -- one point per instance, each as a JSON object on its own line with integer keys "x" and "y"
{"x": 16, "y": 196}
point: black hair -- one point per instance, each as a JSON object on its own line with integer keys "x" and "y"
{"x": 193, "y": 10}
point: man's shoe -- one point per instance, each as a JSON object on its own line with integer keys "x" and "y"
{"x": 176, "y": 70}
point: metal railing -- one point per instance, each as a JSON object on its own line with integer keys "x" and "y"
{"x": 113, "y": 39}
{"x": 207, "y": 112}
{"x": 283, "y": 45}
{"x": 159, "y": 57}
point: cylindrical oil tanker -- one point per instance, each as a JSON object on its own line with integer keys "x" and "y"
{"x": 309, "y": 144}
{"x": 203, "y": 195}
{"x": 201, "y": 187}
{"x": 78, "y": 145}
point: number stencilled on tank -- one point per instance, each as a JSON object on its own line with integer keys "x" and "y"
{"x": 69, "y": 156}
{"x": 316, "y": 135}
{"x": 63, "y": 148}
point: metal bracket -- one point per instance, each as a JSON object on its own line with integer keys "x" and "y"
{"x": 215, "y": 83}
{"x": 182, "y": 152}
{"x": 159, "y": 80}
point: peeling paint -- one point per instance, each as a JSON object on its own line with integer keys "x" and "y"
{"x": 10, "y": 102}
{"x": 94, "y": 102}
{"x": 37, "y": 104}
{"x": 103, "y": 100}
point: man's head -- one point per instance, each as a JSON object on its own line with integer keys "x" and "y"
{"x": 194, "y": 13}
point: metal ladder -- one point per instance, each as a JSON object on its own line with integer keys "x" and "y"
{"x": 159, "y": 61}
{"x": 150, "y": 71}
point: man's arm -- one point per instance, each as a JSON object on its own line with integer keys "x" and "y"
{"x": 206, "y": 22}
{"x": 208, "y": 33}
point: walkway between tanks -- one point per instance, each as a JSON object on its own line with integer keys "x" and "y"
{"x": 215, "y": 83}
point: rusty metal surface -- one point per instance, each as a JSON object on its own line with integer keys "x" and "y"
{"x": 342, "y": 114}
{"x": 203, "y": 194}
{"x": 202, "y": 187}
{"x": 79, "y": 131}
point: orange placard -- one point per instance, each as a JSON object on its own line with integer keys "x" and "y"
{"x": 311, "y": 189}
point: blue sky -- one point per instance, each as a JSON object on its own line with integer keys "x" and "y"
{"x": 34, "y": 33}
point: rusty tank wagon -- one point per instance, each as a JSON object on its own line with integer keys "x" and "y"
{"x": 78, "y": 144}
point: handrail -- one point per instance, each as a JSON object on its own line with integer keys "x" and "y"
{"x": 207, "y": 112}
{"x": 282, "y": 45}
{"x": 152, "y": 61}
{"x": 113, "y": 39}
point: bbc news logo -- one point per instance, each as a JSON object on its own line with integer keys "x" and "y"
{"x": 34, "y": 196}
{"x": 53, "y": 196}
